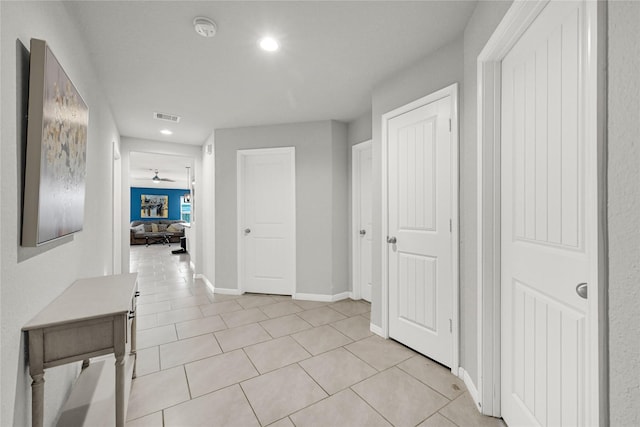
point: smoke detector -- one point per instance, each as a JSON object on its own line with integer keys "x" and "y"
{"x": 204, "y": 26}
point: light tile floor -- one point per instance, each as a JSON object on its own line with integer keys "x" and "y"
{"x": 208, "y": 359}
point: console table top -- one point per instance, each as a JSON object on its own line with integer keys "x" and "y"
{"x": 86, "y": 299}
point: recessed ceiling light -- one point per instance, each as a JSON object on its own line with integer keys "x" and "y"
{"x": 166, "y": 132}
{"x": 269, "y": 44}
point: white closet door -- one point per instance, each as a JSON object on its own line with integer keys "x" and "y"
{"x": 419, "y": 215}
{"x": 266, "y": 243}
{"x": 362, "y": 225}
{"x": 545, "y": 253}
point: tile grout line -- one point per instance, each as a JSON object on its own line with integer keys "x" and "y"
{"x": 252, "y": 364}
{"x": 359, "y": 358}
{"x": 246, "y": 398}
{"x": 422, "y": 382}
{"x": 339, "y": 391}
{"x": 367, "y": 403}
{"x": 444, "y": 416}
{"x": 186, "y": 378}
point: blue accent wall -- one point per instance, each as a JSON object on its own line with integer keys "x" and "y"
{"x": 174, "y": 201}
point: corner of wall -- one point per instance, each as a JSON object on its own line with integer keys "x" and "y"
{"x": 623, "y": 203}
{"x": 340, "y": 219}
{"x": 359, "y": 130}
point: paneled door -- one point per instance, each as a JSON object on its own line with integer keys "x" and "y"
{"x": 361, "y": 210}
{"x": 546, "y": 253}
{"x": 420, "y": 218}
{"x": 266, "y": 220}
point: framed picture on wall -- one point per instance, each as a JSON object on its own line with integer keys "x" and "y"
{"x": 154, "y": 206}
{"x": 56, "y": 151}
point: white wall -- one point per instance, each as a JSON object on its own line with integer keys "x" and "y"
{"x": 32, "y": 277}
{"x": 318, "y": 207}
{"x": 623, "y": 211}
{"x": 339, "y": 208}
{"x": 485, "y": 18}
{"x": 359, "y": 130}
{"x": 129, "y": 145}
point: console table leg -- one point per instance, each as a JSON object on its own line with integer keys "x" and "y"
{"x": 36, "y": 370}
{"x": 134, "y": 352}
{"x": 37, "y": 399}
{"x": 120, "y": 391}
{"x": 119, "y": 351}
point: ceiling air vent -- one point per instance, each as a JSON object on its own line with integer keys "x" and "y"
{"x": 167, "y": 117}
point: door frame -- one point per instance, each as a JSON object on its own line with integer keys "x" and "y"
{"x": 240, "y": 156}
{"x": 116, "y": 204}
{"x": 355, "y": 215}
{"x": 515, "y": 22}
{"x": 451, "y": 91}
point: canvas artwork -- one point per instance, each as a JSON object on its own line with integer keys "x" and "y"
{"x": 154, "y": 206}
{"x": 57, "y": 142}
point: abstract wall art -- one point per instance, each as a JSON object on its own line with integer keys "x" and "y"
{"x": 57, "y": 129}
{"x": 154, "y": 206}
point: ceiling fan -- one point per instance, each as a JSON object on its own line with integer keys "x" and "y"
{"x": 157, "y": 179}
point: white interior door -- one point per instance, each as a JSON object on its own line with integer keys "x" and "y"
{"x": 545, "y": 249}
{"x": 362, "y": 225}
{"x": 420, "y": 213}
{"x": 266, "y": 222}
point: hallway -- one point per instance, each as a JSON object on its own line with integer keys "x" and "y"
{"x": 206, "y": 359}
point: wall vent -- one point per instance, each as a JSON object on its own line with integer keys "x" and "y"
{"x": 167, "y": 117}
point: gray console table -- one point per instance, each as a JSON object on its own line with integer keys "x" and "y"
{"x": 92, "y": 317}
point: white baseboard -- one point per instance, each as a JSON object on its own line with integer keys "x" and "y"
{"x": 341, "y": 296}
{"x": 215, "y": 290}
{"x": 321, "y": 297}
{"x": 312, "y": 297}
{"x": 227, "y": 291}
{"x": 206, "y": 281}
{"x": 471, "y": 387}
{"x": 376, "y": 330}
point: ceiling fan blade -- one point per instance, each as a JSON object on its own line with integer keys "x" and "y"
{"x": 167, "y": 180}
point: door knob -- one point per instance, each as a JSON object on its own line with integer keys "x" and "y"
{"x": 581, "y": 290}
{"x": 391, "y": 240}
{"x": 247, "y": 230}
{"x": 363, "y": 232}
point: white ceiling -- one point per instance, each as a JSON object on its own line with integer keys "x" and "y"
{"x": 333, "y": 53}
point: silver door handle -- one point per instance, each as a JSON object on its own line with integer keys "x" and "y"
{"x": 391, "y": 240}
{"x": 581, "y": 290}
{"x": 363, "y": 232}
{"x": 247, "y": 230}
